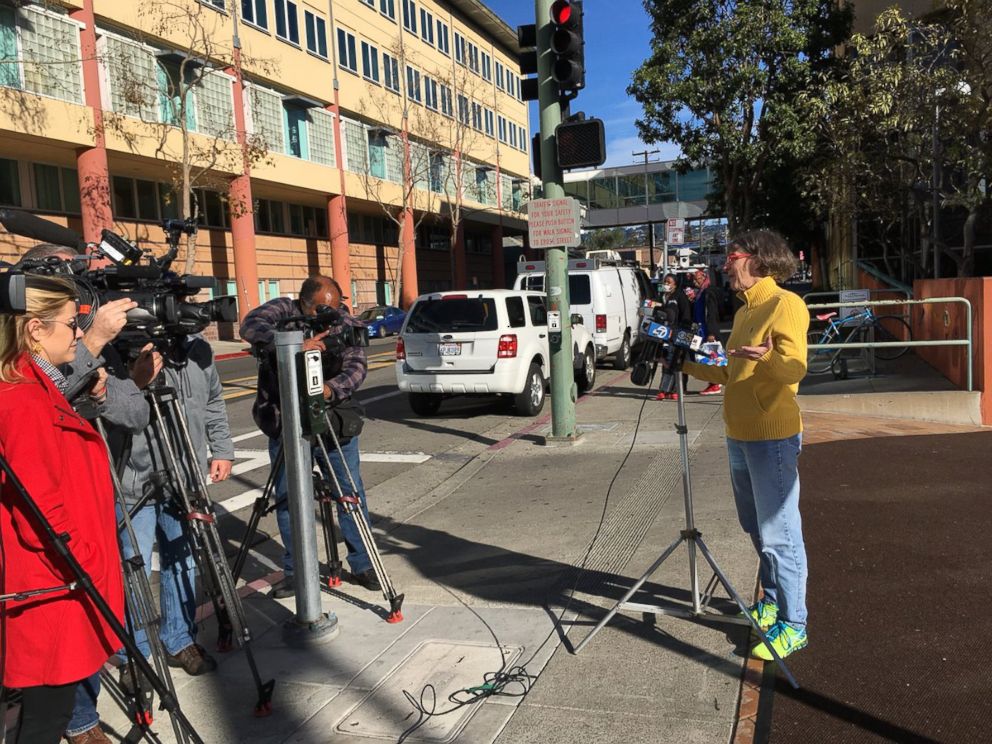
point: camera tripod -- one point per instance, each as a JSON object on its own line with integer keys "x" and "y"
{"x": 693, "y": 540}
{"x": 171, "y": 429}
{"x": 82, "y": 580}
{"x": 325, "y": 493}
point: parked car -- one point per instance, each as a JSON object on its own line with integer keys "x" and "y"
{"x": 489, "y": 342}
{"x": 383, "y": 320}
{"x": 608, "y": 295}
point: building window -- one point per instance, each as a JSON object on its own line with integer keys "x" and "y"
{"x": 446, "y": 108}
{"x": 473, "y": 58}
{"x": 388, "y": 8}
{"x": 254, "y": 12}
{"x": 410, "y": 16}
{"x": 370, "y": 62}
{"x": 269, "y": 217}
{"x": 487, "y": 67}
{"x": 219, "y": 4}
{"x": 391, "y": 72}
{"x": 49, "y": 50}
{"x": 370, "y": 3}
{"x": 489, "y": 116}
{"x": 513, "y": 134}
{"x": 459, "y": 48}
{"x": 413, "y": 84}
{"x": 347, "y": 57}
{"x": 56, "y": 189}
{"x": 499, "y": 74}
{"x": 287, "y": 21}
{"x": 523, "y": 138}
{"x": 320, "y": 136}
{"x": 443, "y": 41}
{"x": 135, "y": 199}
{"x": 430, "y": 93}
{"x": 463, "y": 114}
{"x": 316, "y": 34}
{"x": 427, "y": 26}
{"x": 501, "y": 128}
{"x": 10, "y": 183}
{"x": 477, "y": 116}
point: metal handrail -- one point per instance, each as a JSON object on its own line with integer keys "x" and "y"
{"x": 892, "y": 303}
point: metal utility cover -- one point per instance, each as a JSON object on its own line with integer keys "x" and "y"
{"x": 383, "y": 713}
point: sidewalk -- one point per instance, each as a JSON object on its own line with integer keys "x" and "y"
{"x": 487, "y": 561}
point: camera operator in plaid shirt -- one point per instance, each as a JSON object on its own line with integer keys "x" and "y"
{"x": 346, "y": 373}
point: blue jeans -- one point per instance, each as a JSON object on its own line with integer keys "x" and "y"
{"x": 765, "y": 478}
{"x": 358, "y": 558}
{"x": 84, "y": 715}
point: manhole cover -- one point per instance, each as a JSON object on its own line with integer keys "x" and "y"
{"x": 385, "y": 713}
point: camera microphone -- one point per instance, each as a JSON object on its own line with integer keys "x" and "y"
{"x": 30, "y": 226}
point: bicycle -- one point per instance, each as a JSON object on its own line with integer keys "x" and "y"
{"x": 865, "y": 327}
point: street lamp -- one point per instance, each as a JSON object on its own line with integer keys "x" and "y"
{"x": 647, "y": 206}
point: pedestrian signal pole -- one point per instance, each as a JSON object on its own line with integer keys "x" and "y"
{"x": 551, "y": 17}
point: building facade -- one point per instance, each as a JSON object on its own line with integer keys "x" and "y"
{"x": 374, "y": 140}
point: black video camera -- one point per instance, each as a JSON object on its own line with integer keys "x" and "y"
{"x": 665, "y": 340}
{"x": 163, "y": 313}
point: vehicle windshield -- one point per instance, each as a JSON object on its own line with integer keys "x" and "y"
{"x": 578, "y": 287}
{"x": 455, "y": 314}
{"x": 372, "y": 313}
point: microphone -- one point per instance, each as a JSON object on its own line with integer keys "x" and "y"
{"x": 29, "y": 226}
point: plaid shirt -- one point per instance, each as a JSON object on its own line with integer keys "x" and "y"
{"x": 53, "y": 372}
{"x": 259, "y": 329}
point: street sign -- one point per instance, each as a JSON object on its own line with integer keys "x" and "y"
{"x": 852, "y": 295}
{"x": 553, "y": 223}
{"x": 675, "y": 231}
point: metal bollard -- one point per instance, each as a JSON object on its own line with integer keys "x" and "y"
{"x": 299, "y": 481}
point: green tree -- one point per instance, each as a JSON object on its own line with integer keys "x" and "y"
{"x": 724, "y": 82}
{"x": 606, "y": 238}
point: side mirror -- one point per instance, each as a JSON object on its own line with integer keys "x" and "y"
{"x": 576, "y": 319}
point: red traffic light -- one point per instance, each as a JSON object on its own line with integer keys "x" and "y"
{"x": 561, "y": 12}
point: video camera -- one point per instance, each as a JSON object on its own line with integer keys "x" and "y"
{"x": 163, "y": 312}
{"x": 666, "y": 340}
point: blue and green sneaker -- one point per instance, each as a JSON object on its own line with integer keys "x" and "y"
{"x": 765, "y": 614}
{"x": 784, "y": 638}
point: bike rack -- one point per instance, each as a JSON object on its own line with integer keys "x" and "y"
{"x": 895, "y": 303}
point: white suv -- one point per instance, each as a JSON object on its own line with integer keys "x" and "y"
{"x": 488, "y": 342}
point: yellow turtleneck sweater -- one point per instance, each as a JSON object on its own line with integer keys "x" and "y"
{"x": 760, "y": 397}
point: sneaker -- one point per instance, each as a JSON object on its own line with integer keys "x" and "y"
{"x": 673, "y": 396}
{"x": 367, "y": 579}
{"x": 712, "y": 390}
{"x": 784, "y": 638}
{"x": 661, "y": 396}
{"x": 765, "y": 614}
{"x": 193, "y": 660}
{"x": 94, "y": 735}
{"x": 283, "y": 589}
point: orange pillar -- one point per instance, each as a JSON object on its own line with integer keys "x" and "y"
{"x": 499, "y": 269}
{"x": 409, "y": 289}
{"x": 337, "y": 219}
{"x": 242, "y": 210}
{"x": 459, "y": 279}
{"x": 91, "y": 162}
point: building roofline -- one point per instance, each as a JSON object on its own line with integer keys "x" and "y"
{"x": 487, "y": 20}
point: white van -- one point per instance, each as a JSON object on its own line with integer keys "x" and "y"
{"x": 608, "y": 296}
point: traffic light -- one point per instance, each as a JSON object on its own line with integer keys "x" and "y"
{"x": 580, "y": 143}
{"x": 567, "y": 46}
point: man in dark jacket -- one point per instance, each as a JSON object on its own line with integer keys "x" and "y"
{"x": 348, "y": 370}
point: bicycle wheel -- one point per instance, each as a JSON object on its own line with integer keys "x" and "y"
{"x": 889, "y": 328}
{"x": 818, "y": 361}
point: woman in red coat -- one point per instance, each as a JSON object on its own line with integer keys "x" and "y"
{"x": 48, "y": 643}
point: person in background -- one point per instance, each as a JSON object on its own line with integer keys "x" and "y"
{"x": 53, "y": 641}
{"x": 766, "y": 357}
{"x": 677, "y": 306}
{"x": 706, "y": 312}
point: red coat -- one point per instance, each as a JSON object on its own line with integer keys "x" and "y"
{"x": 61, "y": 460}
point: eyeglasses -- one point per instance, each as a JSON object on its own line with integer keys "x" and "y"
{"x": 72, "y": 325}
{"x": 735, "y": 256}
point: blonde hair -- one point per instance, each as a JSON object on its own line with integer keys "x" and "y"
{"x": 44, "y": 296}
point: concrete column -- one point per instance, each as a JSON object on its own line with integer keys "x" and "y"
{"x": 337, "y": 219}
{"x": 242, "y": 203}
{"x": 459, "y": 277}
{"x": 499, "y": 269}
{"x": 409, "y": 288}
{"x": 91, "y": 162}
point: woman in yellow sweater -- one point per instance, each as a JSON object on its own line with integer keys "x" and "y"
{"x": 766, "y": 360}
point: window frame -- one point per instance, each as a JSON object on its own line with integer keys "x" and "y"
{"x": 426, "y": 26}
{"x": 410, "y": 16}
{"x": 443, "y": 35}
{"x": 347, "y": 49}
{"x": 370, "y": 52}
{"x": 253, "y": 22}
{"x": 413, "y": 84}
{"x": 391, "y": 70}
{"x": 391, "y": 5}
{"x": 285, "y": 5}
{"x": 310, "y": 15}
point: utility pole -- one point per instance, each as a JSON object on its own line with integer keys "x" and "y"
{"x": 563, "y": 390}
{"x": 647, "y": 205}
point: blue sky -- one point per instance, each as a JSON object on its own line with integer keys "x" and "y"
{"x": 618, "y": 37}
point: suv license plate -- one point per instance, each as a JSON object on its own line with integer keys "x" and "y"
{"x": 454, "y": 349}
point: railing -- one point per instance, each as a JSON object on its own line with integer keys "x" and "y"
{"x": 902, "y": 344}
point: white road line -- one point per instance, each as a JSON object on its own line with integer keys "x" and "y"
{"x": 254, "y": 459}
{"x": 235, "y": 503}
{"x": 249, "y": 435}
{"x": 415, "y": 458}
{"x": 377, "y": 398}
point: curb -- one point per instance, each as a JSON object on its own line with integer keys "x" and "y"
{"x": 231, "y": 355}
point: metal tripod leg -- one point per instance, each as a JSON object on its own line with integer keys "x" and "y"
{"x": 208, "y": 550}
{"x": 260, "y": 508}
{"x": 352, "y": 506}
{"x": 324, "y": 494}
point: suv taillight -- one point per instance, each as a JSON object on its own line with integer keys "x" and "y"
{"x": 600, "y": 324}
{"x": 400, "y": 350}
{"x": 507, "y": 347}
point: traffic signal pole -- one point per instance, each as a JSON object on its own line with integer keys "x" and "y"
{"x": 563, "y": 390}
